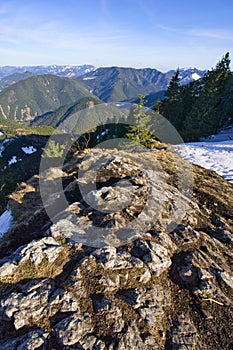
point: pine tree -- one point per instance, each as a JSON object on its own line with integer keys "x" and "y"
{"x": 205, "y": 115}
{"x": 201, "y": 107}
{"x": 226, "y": 107}
{"x": 172, "y": 105}
{"x": 140, "y": 131}
{"x": 53, "y": 150}
{"x": 173, "y": 89}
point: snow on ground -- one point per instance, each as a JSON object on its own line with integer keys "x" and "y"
{"x": 104, "y": 132}
{"x": 6, "y": 221}
{"x": 217, "y": 156}
{"x": 89, "y": 78}
{"x": 224, "y": 135}
{"x": 13, "y": 160}
{"x": 3, "y": 144}
{"x": 196, "y": 76}
{"x": 29, "y": 149}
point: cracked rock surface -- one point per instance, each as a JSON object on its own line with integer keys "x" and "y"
{"x": 136, "y": 258}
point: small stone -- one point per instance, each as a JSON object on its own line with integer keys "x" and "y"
{"x": 154, "y": 255}
{"x": 72, "y": 329}
{"x": 145, "y": 277}
{"x": 31, "y": 304}
{"x": 92, "y": 343}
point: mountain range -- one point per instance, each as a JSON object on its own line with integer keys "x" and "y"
{"x": 68, "y": 71}
{"x": 12, "y": 74}
{"x": 29, "y": 91}
{"x": 112, "y": 84}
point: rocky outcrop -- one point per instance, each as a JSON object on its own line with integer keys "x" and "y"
{"x": 35, "y": 252}
{"x": 129, "y": 261}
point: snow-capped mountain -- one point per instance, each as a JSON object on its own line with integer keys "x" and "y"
{"x": 190, "y": 74}
{"x": 107, "y": 83}
{"x": 123, "y": 83}
{"x": 69, "y": 71}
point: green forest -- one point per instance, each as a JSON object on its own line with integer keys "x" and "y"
{"x": 202, "y": 107}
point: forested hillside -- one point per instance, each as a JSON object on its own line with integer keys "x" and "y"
{"x": 37, "y": 95}
{"x": 202, "y": 107}
{"x": 112, "y": 84}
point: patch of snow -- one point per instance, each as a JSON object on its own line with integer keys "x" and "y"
{"x": 216, "y": 156}
{"x": 1, "y": 148}
{"x": 2, "y": 145}
{"x": 13, "y": 160}
{"x": 70, "y": 75}
{"x": 6, "y": 221}
{"x": 29, "y": 149}
{"x": 223, "y": 135}
{"x": 122, "y": 104}
{"x": 89, "y": 78}
{"x": 196, "y": 76}
{"x": 88, "y": 70}
{"x": 104, "y": 132}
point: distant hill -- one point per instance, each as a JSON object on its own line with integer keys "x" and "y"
{"x": 68, "y": 71}
{"x": 112, "y": 84}
{"x": 151, "y": 99}
{"x": 54, "y": 118}
{"x": 109, "y": 83}
{"x": 82, "y": 116}
{"x": 12, "y": 74}
{"x": 39, "y": 94}
{"x": 13, "y": 78}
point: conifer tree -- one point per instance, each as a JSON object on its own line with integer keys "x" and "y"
{"x": 140, "y": 131}
{"x": 53, "y": 150}
{"x": 171, "y": 106}
{"x": 201, "y": 107}
{"x": 204, "y": 117}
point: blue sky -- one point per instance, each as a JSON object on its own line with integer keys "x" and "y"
{"x": 162, "y": 34}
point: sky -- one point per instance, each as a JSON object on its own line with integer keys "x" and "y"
{"x": 161, "y": 34}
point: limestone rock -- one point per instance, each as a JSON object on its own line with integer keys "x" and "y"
{"x": 30, "y": 306}
{"x": 148, "y": 265}
{"x": 154, "y": 255}
{"x": 132, "y": 339}
{"x": 71, "y": 329}
{"x": 111, "y": 259}
{"x": 91, "y": 342}
{"x": 183, "y": 335}
{"x": 35, "y": 251}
